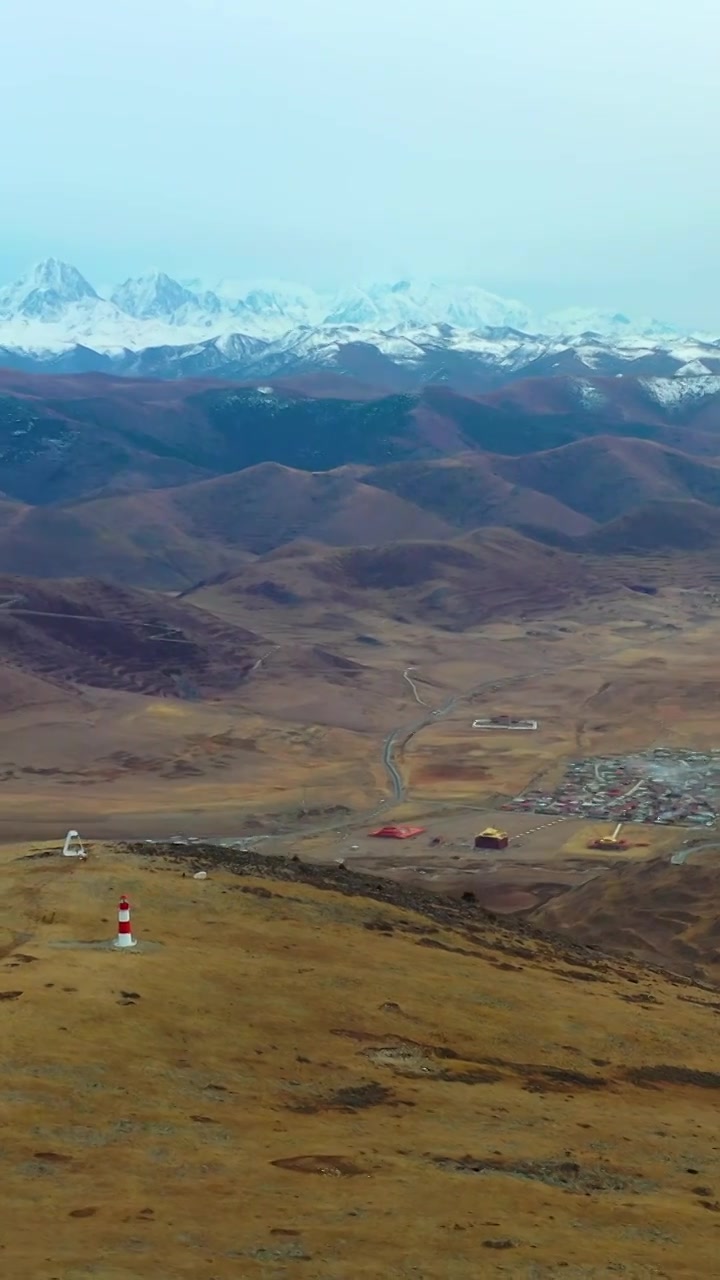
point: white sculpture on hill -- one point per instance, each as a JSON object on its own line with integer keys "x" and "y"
{"x": 73, "y": 847}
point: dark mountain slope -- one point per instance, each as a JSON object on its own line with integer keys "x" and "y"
{"x": 608, "y": 476}
{"x": 467, "y": 491}
{"x": 658, "y": 527}
{"x": 86, "y": 632}
{"x": 452, "y": 585}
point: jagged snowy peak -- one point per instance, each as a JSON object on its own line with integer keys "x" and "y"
{"x": 427, "y": 327}
{"x": 501, "y": 352}
{"x": 359, "y": 308}
{"x": 53, "y": 307}
{"x": 270, "y": 308}
{"x": 238, "y": 346}
{"x": 679, "y": 392}
{"x": 231, "y": 356}
{"x": 500, "y": 346}
{"x": 327, "y": 346}
{"x": 403, "y": 303}
{"x": 158, "y": 297}
{"x": 580, "y": 322}
{"x": 404, "y": 358}
{"x": 155, "y": 297}
{"x": 46, "y": 290}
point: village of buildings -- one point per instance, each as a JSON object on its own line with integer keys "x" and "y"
{"x": 662, "y": 785}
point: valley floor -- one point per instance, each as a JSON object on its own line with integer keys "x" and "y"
{"x": 293, "y": 750}
{"x": 331, "y": 736}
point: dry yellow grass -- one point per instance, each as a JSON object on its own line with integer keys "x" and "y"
{"x": 613, "y": 676}
{"x": 140, "y": 1132}
{"x": 606, "y": 698}
{"x": 134, "y": 766}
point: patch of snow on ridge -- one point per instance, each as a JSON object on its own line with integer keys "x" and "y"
{"x": 694, "y": 369}
{"x": 675, "y": 392}
{"x": 590, "y": 396}
{"x": 104, "y": 328}
{"x": 325, "y": 341}
{"x": 237, "y": 346}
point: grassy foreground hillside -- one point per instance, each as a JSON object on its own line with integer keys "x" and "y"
{"x": 288, "y": 1079}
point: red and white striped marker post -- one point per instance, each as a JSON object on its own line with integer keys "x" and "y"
{"x": 124, "y": 933}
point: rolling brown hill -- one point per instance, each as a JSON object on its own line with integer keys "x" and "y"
{"x": 626, "y": 399}
{"x": 469, "y": 491}
{"x": 652, "y": 909}
{"x": 266, "y": 506}
{"x": 172, "y": 538}
{"x": 139, "y": 540}
{"x": 608, "y": 476}
{"x": 450, "y": 584}
{"x": 91, "y": 633}
{"x": 62, "y": 438}
{"x": 538, "y": 413}
{"x": 165, "y": 484}
{"x": 11, "y": 513}
{"x": 658, "y": 527}
{"x": 72, "y": 634}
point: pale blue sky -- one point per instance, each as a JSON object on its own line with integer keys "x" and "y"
{"x": 564, "y": 151}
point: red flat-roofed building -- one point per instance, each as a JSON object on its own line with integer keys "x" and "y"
{"x": 398, "y": 833}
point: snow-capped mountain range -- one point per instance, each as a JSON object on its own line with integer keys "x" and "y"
{"x": 54, "y": 319}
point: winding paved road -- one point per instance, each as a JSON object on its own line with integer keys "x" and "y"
{"x": 401, "y": 736}
{"x": 160, "y": 630}
{"x": 693, "y": 846}
{"x": 395, "y": 741}
{"x": 413, "y": 686}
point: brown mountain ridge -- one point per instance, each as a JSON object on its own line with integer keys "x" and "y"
{"x": 162, "y": 485}
{"x": 603, "y": 495}
{"x": 450, "y": 584}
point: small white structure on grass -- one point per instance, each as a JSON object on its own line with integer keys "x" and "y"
{"x": 73, "y": 847}
{"x": 505, "y": 722}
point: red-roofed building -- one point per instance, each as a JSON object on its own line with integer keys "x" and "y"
{"x": 398, "y": 833}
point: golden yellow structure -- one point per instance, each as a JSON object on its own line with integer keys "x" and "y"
{"x": 611, "y": 842}
{"x": 492, "y": 838}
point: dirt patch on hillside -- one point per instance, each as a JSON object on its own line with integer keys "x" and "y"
{"x": 566, "y": 1174}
